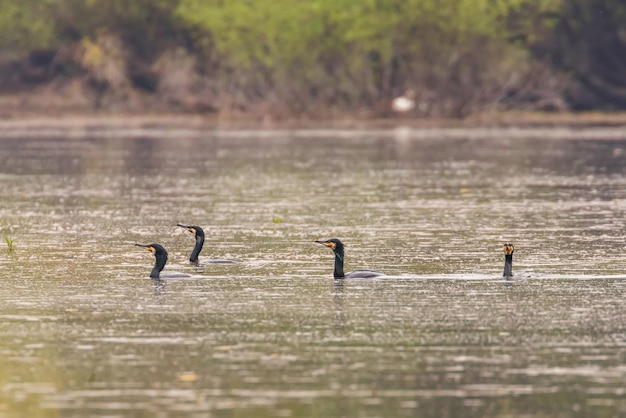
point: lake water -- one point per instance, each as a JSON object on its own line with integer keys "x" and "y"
{"x": 85, "y": 332}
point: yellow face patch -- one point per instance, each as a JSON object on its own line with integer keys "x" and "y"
{"x": 151, "y": 249}
{"x": 331, "y": 244}
{"x": 192, "y": 230}
{"x": 508, "y": 249}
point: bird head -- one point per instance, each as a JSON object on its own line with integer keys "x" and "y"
{"x": 334, "y": 244}
{"x": 196, "y": 231}
{"x": 155, "y": 249}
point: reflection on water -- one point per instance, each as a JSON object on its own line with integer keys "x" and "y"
{"x": 86, "y": 332}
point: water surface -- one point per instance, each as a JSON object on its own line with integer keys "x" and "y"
{"x": 85, "y": 332}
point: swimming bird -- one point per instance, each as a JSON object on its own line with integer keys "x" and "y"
{"x": 338, "y": 248}
{"x": 160, "y": 255}
{"x": 198, "y": 233}
{"x": 508, "y": 260}
{"x": 404, "y": 103}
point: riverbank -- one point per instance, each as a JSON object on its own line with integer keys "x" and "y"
{"x": 45, "y": 109}
{"x": 549, "y": 125}
{"x": 56, "y": 118}
{"x": 197, "y": 127}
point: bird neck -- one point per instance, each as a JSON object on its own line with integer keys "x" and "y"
{"x": 196, "y": 250}
{"x": 338, "y": 273}
{"x": 508, "y": 265}
{"x": 161, "y": 259}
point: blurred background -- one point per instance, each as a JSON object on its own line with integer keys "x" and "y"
{"x": 315, "y": 58}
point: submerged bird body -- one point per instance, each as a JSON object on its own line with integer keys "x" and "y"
{"x": 508, "y": 260}
{"x": 338, "y": 273}
{"x": 363, "y": 274}
{"x": 198, "y": 234}
{"x": 160, "y": 256}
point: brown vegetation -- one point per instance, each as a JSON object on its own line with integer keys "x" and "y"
{"x": 320, "y": 59}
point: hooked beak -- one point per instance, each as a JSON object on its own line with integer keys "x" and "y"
{"x": 147, "y": 247}
{"x": 329, "y": 244}
{"x": 188, "y": 228}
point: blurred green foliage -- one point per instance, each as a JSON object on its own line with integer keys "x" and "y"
{"x": 27, "y": 24}
{"x": 588, "y": 41}
{"x": 457, "y": 55}
{"x": 269, "y": 31}
{"x": 349, "y": 52}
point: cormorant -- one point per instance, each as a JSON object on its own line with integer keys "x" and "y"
{"x": 198, "y": 233}
{"x": 160, "y": 255}
{"x": 508, "y": 260}
{"x": 337, "y": 247}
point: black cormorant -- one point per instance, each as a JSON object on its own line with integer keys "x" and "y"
{"x": 160, "y": 255}
{"x": 198, "y": 233}
{"x": 508, "y": 260}
{"x": 337, "y": 247}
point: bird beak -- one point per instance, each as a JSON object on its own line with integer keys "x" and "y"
{"x": 147, "y": 247}
{"x": 329, "y": 244}
{"x": 188, "y": 228}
